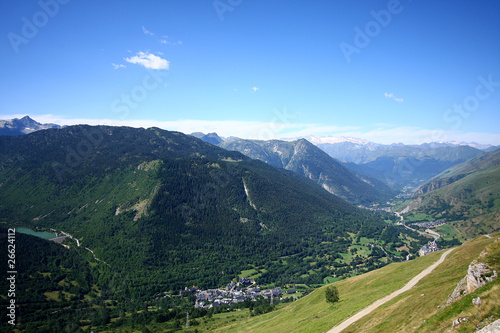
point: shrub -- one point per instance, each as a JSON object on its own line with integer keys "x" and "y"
{"x": 332, "y": 294}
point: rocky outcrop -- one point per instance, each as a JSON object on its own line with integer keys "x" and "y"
{"x": 491, "y": 328}
{"x": 477, "y": 276}
{"x": 458, "y": 321}
{"x": 459, "y": 292}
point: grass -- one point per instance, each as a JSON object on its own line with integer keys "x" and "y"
{"x": 406, "y": 313}
{"x": 476, "y": 316}
{"x": 247, "y": 273}
{"x": 365, "y": 241}
{"x": 409, "y": 311}
{"x": 450, "y": 232}
{"x": 313, "y": 314}
{"x": 418, "y": 217}
{"x": 330, "y": 279}
{"x": 54, "y": 295}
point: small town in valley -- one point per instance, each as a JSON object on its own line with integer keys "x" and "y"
{"x": 235, "y": 292}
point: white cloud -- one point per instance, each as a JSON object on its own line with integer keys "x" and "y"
{"x": 115, "y": 66}
{"x": 148, "y": 60}
{"x": 393, "y": 97}
{"x": 255, "y": 89}
{"x": 146, "y": 31}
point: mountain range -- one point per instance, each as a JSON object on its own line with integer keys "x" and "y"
{"x": 395, "y": 167}
{"x": 149, "y": 212}
{"x": 308, "y": 160}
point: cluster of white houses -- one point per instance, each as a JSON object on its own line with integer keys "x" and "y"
{"x": 244, "y": 289}
{"x": 429, "y": 248}
{"x": 430, "y": 224}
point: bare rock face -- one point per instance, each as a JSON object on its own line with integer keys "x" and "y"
{"x": 491, "y": 328}
{"x": 459, "y": 292}
{"x": 477, "y": 276}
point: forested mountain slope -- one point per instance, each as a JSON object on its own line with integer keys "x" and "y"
{"x": 166, "y": 207}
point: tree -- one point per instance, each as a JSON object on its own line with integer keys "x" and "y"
{"x": 332, "y": 294}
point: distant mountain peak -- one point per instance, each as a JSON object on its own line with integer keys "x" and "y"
{"x": 212, "y": 137}
{"x": 22, "y": 126}
{"x": 336, "y": 139}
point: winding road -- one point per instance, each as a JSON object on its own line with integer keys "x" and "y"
{"x": 346, "y": 323}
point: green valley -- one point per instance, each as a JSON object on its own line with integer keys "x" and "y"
{"x": 153, "y": 212}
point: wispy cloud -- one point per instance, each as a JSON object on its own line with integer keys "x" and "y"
{"x": 148, "y": 60}
{"x": 115, "y": 66}
{"x": 393, "y": 97}
{"x": 146, "y": 31}
{"x": 165, "y": 40}
{"x": 255, "y": 89}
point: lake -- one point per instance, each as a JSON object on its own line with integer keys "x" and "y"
{"x": 41, "y": 234}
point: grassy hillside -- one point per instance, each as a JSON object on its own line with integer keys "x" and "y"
{"x": 468, "y": 193}
{"x": 422, "y": 309}
{"x": 416, "y": 309}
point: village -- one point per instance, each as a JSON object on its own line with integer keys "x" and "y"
{"x": 239, "y": 292}
{"x": 429, "y": 248}
{"x": 431, "y": 224}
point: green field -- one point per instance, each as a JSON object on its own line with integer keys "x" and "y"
{"x": 247, "y": 273}
{"x": 331, "y": 279}
{"x": 447, "y": 231}
{"x": 418, "y": 217}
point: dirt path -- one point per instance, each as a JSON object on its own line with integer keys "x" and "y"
{"x": 376, "y": 304}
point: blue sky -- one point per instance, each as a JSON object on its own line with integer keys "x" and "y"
{"x": 386, "y": 71}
